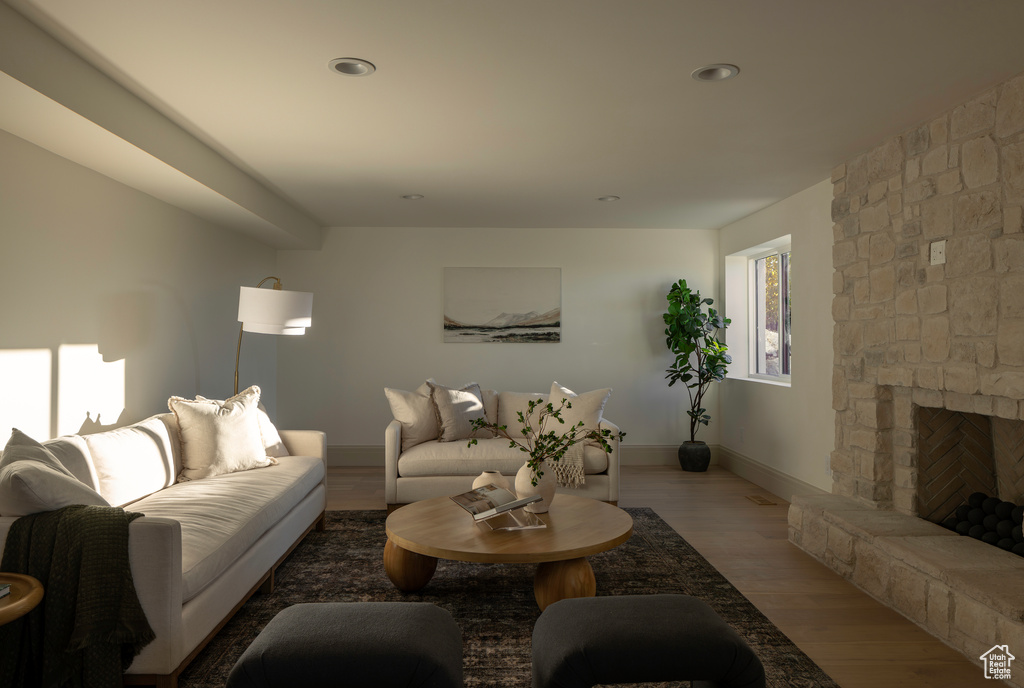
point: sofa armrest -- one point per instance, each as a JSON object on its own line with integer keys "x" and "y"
{"x": 613, "y": 460}
{"x": 305, "y": 443}
{"x": 154, "y": 548}
{"x": 392, "y": 450}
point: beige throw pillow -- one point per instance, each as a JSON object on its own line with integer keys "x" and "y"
{"x": 219, "y": 437}
{"x": 587, "y": 407}
{"x": 273, "y": 445}
{"x": 33, "y": 480}
{"x": 455, "y": 409}
{"x": 415, "y": 411}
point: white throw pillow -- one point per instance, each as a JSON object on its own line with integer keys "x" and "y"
{"x": 587, "y": 407}
{"x": 455, "y": 409}
{"x": 415, "y": 411}
{"x": 219, "y": 437}
{"x": 33, "y": 480}
{"x": 273, "y": 445}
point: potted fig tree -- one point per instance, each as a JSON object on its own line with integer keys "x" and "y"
{"x": 691, "y": 335}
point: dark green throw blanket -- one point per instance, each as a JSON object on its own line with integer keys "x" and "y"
{"x": 90, "y": 625}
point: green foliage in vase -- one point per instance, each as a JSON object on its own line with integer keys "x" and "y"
{"x": 547, "y": 446}
{"x": 691, "y": 334}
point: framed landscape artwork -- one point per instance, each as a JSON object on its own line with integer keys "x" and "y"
{"x": 502, "y": 305}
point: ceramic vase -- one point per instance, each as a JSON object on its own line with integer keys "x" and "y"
{"x": 492, "y": 478}
{"x": 545, "y": 487}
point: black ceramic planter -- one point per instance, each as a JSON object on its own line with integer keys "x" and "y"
{"x": 694, "y": 456}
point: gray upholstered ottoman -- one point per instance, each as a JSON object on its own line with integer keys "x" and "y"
{"x": 362, "y": 644}
{"x": 582, "y": 642}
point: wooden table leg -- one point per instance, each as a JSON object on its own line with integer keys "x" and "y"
{"x": 559, "y": 580}
{"x": 409, "y": 571}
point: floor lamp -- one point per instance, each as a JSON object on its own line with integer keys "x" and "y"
{"x": 272, "y": 311}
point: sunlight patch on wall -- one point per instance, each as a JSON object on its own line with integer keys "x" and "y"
{"x": 25, "y": 403}
{"x": 89, "y": 391}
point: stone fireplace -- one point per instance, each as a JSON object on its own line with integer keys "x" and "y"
{"x": 918, "y": 343}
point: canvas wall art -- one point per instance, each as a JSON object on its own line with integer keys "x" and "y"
{"x": 502, "y": 305}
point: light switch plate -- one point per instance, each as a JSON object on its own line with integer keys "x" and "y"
{"x": 938, "y": 252}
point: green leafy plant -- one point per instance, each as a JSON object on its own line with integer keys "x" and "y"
{"x": 547, "y": 446}
{"x": 701, "y": 359}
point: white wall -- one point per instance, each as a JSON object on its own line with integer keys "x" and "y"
{"x": 377, "y": 322}
{"x": 86, "y": 260}
{"x": 789, "y": 429}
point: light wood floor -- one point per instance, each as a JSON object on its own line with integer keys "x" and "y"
{"x": 856, "y": 640}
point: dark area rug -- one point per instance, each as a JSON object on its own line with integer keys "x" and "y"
{"x": 494, "y": 603}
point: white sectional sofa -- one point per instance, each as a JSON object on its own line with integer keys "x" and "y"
{"x": 203, "y": 546}
{"x": 426, "y": 468}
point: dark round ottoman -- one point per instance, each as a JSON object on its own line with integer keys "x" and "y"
{"x": 359, "y": 645}
{"x": 582, "y": 642}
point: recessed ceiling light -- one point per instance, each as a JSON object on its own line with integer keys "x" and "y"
{"x": 413, "y": 197}
{"x": 608, "y": 198}
{"x": 715, "y": 72}
{"x": 352, "y": 66}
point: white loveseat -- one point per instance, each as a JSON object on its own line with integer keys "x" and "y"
{"x": 203, "y": 546}
{"x": 426, "y": 468}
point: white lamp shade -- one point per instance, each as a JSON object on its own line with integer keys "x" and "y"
{"x": 275, "y": 311}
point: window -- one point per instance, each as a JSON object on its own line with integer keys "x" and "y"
{"x": 771, "y": 313}
{"x": 758, "y": 287}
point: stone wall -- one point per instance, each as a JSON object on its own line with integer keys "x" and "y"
{"x": 910, "y": 333}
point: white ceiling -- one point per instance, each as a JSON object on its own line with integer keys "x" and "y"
{"x": 521, "y": 113}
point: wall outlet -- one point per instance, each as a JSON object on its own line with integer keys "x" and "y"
{"x": 938, "y": 252}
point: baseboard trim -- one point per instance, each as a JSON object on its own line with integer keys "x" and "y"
{"x": 775, "y": 481}
{"x": 646, "y": 455}
{"x": 656, "y": 455}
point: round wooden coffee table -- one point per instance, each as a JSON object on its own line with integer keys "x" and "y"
{"x": 26, "y": 593}
{"x": 422, "y": 532}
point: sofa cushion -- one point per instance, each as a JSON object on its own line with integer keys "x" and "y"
{"x": 456, "y": 409}
{"x": 221, "y": 517}
{"x": 133, "y": 461}
{"x": 510, "y": 403}
{"x": 220, "y": 437}
{"x": 456, "y": 458}
{"x": 415, "y": 411}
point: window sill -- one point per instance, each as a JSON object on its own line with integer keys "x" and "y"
{"x": 762, "y": 380}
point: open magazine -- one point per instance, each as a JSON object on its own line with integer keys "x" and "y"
{"x": 490, "y": 501}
